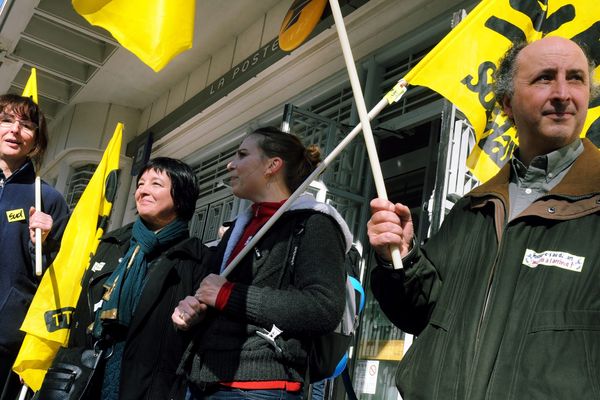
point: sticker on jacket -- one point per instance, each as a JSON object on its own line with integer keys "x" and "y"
{"x": 551, "y": 258}
{"x": 15, "y": 215}
{"x": 98, "y": 266}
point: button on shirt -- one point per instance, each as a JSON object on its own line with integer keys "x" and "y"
{"x": 528, "y": 184}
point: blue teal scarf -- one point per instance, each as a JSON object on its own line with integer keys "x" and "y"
{"x": 124, "y": 286}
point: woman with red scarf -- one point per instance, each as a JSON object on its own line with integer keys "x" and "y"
{"x": 228, "y": 359}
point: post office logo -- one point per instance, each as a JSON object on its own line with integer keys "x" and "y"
{"x": 15, "y": 215}
{"x": 559, "y": 259}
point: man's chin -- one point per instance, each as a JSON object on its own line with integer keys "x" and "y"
{"x": 559, "y": 140}
{"x": 566, "y": 131}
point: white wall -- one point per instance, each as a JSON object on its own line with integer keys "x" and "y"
{"x": 80, "y": 138}
{"x": 90, "y": 125}
{"x": 263, "y": 30}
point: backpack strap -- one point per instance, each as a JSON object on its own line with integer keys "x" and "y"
{"x": 358, "y": 287}
{"x": 348, "y": 384}
{"x": 299, "y": 222}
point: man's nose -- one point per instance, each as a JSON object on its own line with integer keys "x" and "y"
{"x": 561, "y": 90}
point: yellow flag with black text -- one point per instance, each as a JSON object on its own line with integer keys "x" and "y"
{"x": 30, "y": 89}
{"x": 460, "y": 67}
{"x": 49, "y": 317}
{"x": 154, "y": 30}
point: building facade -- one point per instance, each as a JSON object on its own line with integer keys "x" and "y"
{"x": 247, "y": 82}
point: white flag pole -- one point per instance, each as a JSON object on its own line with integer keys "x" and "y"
{"x": 392, "y": 96}
{"x": 23, "y": 392}
{"x": 38, "y": 231}
{"x": 362, "y": 113}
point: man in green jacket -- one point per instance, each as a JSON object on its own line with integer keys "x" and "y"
{"x": 505, "y": 298}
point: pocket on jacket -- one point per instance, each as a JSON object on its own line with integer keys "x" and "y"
{"x": 441, "y": 318}
{"x": 424, "y": 361}
{"x": 561, "y": 356}
{"x": 565, "y": 320}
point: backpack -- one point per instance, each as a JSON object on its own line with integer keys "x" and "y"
{"x": 328, "y": 355}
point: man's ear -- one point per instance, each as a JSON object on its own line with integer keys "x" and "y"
{"x": 507, "y": 107}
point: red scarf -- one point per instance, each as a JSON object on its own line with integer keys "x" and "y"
{"x": 261, "y": 212}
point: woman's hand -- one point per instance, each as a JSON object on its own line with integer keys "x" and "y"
{"x": 209, "y": 289}
{"x": 38, "y": 219}
{"x": 188, "y": 313}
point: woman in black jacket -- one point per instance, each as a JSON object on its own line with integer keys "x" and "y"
{"x": 237, "y": 351}
{"x": 134, "y": 281}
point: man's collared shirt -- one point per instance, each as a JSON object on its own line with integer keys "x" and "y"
{"x": 528, "y": 184}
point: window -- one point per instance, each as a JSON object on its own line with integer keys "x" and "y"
{"x": 78, "y": 182}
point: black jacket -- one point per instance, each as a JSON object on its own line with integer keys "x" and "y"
{"x": 504, "y": 310}
{"x": 153, "y": 346}
{"x": 302, "y": 303}
{"x": 18, "y": 282}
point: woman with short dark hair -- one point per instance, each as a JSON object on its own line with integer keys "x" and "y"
{"x": 135, "y": 279}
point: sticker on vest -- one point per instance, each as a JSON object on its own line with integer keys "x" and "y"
{"x": 98, "y": 305}
{"x": 15, "y": 215}
{"x": 551, "y": 258}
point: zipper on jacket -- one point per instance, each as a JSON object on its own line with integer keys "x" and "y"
{"x": 486, "y": 300}
{"x": 488, "y": 293}
{"x": 488, "y": 290}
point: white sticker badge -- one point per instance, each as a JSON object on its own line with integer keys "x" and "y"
{"x": 98, "y": 266}
{"x": 550, "y": 258}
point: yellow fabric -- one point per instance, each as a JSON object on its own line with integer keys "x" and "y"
{"x": 49, "y": 316}
{"x": 460, "y": 67}
{"x": 31, "y": 87}
{"x": 154, "y": 30}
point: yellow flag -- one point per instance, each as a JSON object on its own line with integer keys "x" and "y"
{"x": 460, "y": 67}
{"x": 49, "y": 317}
{"x": 154, "y": 30}
{"x": 30, "y": 89}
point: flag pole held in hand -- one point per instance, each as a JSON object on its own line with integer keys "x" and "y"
{"x": 362, "y": 113}
{"x": 38, "y": 231}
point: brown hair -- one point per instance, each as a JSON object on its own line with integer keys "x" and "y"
{"x": 25, "y": 108}
{"x": 298, "y": 161}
